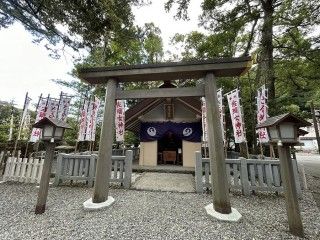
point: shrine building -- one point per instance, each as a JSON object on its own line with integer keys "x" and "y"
{"x": 170, "y": 129}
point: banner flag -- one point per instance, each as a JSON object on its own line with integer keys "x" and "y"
{"x": 262, "y": 113}
{"x": 221, "y": 111}
{"x": 25, "y": 130}
{"x": 11, "y": 128}
{"x": 24, "y": 116}
{"x": 204, "y": 120}
{"x": 89, "y": 122}
{"x": 25, "y": 110}
{"x": 41, "y": 113}
{"x": 236, "y": 116}
{"x": 83, "y": 121}
{"x": 204, "y": 115}
{"x": 93, "y": 120}
{"x": 120, "y": 120}
{"x": 63, "y": 109}
{"x": 52, "y": 108}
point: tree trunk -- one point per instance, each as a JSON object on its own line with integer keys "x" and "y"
{"x": 266, "y": 60}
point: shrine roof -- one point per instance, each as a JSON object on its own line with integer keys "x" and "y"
{"x": 286, "y": 117}
{"x": 133, "y": 113}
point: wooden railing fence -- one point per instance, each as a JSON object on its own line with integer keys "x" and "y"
{"x": 245, "y": 174}
{"x": 27, "y": 170}
{"x": 83, "y": 167}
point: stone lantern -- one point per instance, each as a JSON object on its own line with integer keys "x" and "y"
{"x": 284, "y": 131}
{"x": 52, "y": 132}
{"x": 52, "y": 129}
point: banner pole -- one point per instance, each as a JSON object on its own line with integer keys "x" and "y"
{"x": 80, "y": 108}
{"x": 60, "y": 100}
{"x": 45, "y": 110}
{"x": 20, "y": 123}
{"x": 36, "y": 113}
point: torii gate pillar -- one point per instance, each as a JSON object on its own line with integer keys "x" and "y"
{"x": 221, "y": 207}
{"x": 100, "y": 198}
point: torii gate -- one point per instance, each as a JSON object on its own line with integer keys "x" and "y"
{"x": 209, "y": 70}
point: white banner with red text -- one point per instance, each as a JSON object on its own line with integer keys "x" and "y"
{"x": 262, "y": 113}
{"x": 41, "y": 113}
{"x": 120, "y": 120}
{"x": 236, "y": 116}
{"x": 204, "y": 115}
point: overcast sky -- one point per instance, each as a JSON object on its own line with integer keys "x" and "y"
{"x": 25, "y": 66}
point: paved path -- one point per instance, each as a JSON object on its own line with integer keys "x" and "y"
{"x": 169, "y": 182}
{"x": 311, "y": 163}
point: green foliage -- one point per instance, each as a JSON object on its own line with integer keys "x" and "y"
{"x": 199, "y": 46}
{"x": 142, "y": 45}
{"x": 76, "y": 24}
{"x": 5, "y": 117}
{"x": 131, "y": 139}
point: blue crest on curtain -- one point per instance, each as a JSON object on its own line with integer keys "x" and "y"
{"x": 152, "y": 131}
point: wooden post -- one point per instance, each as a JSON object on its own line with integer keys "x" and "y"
{"x": 104, "y": 163}
{"x": 315, "y": 124}
{"x": 292, "y": 205}
{"x": 272, "y": 153}
{"x": 26, "y": 151}
{"x": 128, "y": 169}
{"x": 221, "y": 199}
{"x": 244, "y": 176}
{"x": 45, "y": 178}
{"x": 244, "y": 152}
{"x": 261, "y": 149}
{"x": 198, "y": 172}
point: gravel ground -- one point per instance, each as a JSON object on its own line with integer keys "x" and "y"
{"x": 314, "y": 187}
{"x": 145, "y": 215}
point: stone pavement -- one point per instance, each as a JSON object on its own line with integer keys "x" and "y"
{"x": 311, "y": 163}
{"x": 167, "y": 182}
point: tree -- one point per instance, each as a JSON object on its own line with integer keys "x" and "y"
{"x": 152, "y": 43}
{"x": 143, "y": 45}
{"x": 280, "y": 32}
{"x": 76, "y": 24}
{"x": 252, "y": 25}
{"x": 6, "y": 110}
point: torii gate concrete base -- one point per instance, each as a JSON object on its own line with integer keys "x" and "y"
{"x": 91, "y": 206}
{"x": 234, "y": 216}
